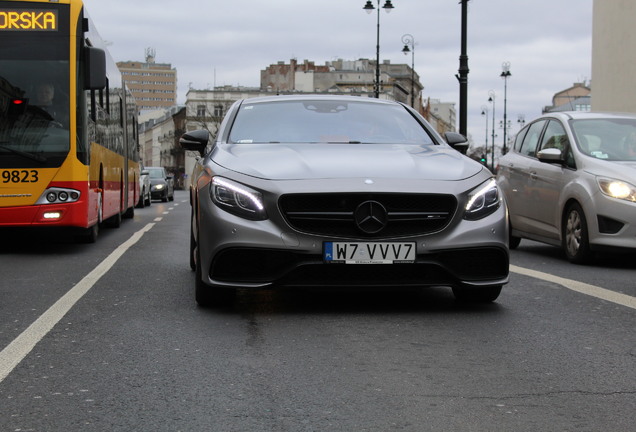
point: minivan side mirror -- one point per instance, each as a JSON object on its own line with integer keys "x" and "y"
{"x": 550, "y": 155}
{"x": 195, "y": 141}
{"x": 457, "y": 141}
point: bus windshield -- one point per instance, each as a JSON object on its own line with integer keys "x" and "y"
{"x": 34, "y": 100}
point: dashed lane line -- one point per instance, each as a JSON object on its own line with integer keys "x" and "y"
{"x": 21, "y": 346}
{"x": 581, "y": 287}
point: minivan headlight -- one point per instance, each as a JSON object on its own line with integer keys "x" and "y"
{"x": 237, "y": 198}
{"x": 617, "y": 189}
{"x": 483, "y": 201}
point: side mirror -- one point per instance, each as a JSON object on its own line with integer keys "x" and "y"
{"x": 195, "y": 141}
{"x": 95, "y": 71}
{"x": 550, "y": 155}
{"x": 457, "y": 141}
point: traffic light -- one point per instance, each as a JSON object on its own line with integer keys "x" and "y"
{"x": 483, "y": 159}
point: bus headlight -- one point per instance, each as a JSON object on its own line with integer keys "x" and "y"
{"x": 59, "y": 195}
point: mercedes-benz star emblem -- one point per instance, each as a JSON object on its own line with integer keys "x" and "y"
{"x": 371, "y": 217}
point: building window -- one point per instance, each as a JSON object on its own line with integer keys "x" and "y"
{"x": 218, "y": 110}
{"x": 200, "y": 110}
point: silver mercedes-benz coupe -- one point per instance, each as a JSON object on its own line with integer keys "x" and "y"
{"x": 341, "y": 191}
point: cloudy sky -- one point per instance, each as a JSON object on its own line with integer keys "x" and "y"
{"x": 547, "y": 42}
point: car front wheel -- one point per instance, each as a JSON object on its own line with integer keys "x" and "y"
{"x": 575, "y": 235}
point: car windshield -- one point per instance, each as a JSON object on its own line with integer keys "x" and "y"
{"x": 610, "y": 139}
{"x": 155, "y": 173}
{"x": 325, "y": 121}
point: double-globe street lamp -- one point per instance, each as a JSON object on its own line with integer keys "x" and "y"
{"x": 491, "y": 98}
{"x": 370, "y": 8}
{"x": 484, "y": 112}
{"x": 505, "y": 74}
{"x": 409, "y": 41}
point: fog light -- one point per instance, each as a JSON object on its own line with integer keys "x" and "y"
{"x": 52, "y": 215}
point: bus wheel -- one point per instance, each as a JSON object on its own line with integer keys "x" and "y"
{"x": 114, "y": 221}
{"x": 89, "y": 235}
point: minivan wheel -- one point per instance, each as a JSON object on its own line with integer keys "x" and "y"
{"x": 575, "y": 235}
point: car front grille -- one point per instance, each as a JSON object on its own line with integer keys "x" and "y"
{"x": 342, "y": 215}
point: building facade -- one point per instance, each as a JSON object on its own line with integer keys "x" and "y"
{"x": 355, "y": 77}
{"x": 575, "y": 98}
{"x": 613, "y": 62}
{"x": 159, "y": 142}
{"x": 154, "y": 85}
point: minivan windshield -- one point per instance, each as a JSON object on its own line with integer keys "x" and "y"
{"x": 607, "y": 138}
{"x": 326, "y": 121}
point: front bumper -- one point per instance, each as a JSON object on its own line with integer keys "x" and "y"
{"x": 241, "y": 253}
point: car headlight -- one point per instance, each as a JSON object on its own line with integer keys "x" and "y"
{"x": 237, "y": 199}
{"x": 617, "y": 189}
{"x": 483, "y": 201}
{"x": 159, "y": 187}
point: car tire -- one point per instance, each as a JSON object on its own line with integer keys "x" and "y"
{"x": 513, "y": 241}
{"x": 477, "y": 294}
{"x": 193, "y": 244}
{"x": 576, "y": 244}
{"x": 164, "y": 198}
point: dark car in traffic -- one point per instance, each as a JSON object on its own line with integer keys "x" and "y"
{"x": 161, "y": 184}
{"x": 336, "y": 191}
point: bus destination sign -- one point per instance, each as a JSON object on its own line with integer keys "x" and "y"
{"x": 28, "y": 20}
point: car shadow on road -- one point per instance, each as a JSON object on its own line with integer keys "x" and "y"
{"x": 350, "y": 302}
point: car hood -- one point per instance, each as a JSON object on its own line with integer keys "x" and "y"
{"x": 614, "y": 169}
{"x": 320, "y": 161}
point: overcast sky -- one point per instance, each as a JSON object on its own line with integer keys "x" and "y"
{"x": 547, "y": 42}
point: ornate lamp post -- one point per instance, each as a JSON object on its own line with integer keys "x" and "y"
{"x": 484, "y": 112}
{"x": 505, "y": 66}
{"x": 491, "y": 98}
{"x": 408, "y": 40}
{"x": 369, "y": 8}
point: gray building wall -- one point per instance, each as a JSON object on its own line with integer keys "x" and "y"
{"x": 613, "y": 59}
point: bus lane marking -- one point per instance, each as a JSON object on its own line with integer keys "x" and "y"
{"x": 22, "y": 345}
{"x": 581, "y": 287}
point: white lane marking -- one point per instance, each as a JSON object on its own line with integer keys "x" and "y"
{"x": 591, "y": 290}
{"x": 21, "y": 346}
{"x": 158, "y": 219}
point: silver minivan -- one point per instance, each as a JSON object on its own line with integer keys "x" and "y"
{"x": 570, "y": 181}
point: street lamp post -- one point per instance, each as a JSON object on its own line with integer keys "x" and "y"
{"x": 407, "y": 40}
{"x": 462, "y": 76}
{"x": 505, "y": 73}
{"x": 484, "y": 112}
{"x": 491, "y": 98}
{"x": 369, "y": 8}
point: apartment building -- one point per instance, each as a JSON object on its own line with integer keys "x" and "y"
{"x": 154, "y": 85}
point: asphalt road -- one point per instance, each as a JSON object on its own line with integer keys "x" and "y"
{"x": 107, "y": 337}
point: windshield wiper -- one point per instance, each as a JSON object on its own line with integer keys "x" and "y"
{"x": 32, "y": 156}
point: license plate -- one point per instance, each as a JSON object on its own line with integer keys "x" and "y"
{"x": 369, "y": 252}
